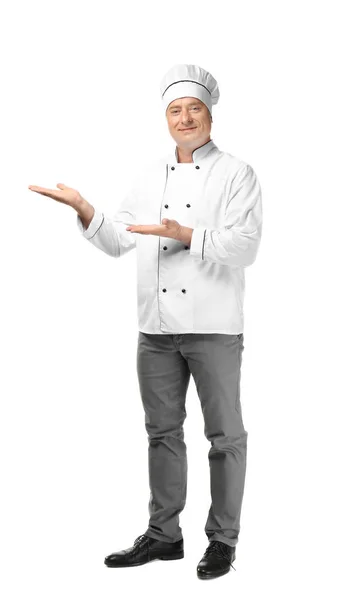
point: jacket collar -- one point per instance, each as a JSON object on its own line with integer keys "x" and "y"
{"x": 198, "y": 154}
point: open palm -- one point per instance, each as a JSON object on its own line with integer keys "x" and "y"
{"x": 65, "y": 194}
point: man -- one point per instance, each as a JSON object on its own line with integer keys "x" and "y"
{"x": 195, "y": 218}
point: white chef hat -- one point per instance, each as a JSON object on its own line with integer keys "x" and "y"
{"x": 189, "y": 81}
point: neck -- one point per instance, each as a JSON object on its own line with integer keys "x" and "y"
{"x": 184, "y": 155}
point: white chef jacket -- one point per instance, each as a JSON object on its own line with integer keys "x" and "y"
{"x": 197, "y": 288}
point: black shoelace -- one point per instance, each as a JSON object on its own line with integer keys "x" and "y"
{"x": 219, "y": 549}
{"x": 140, "y": 538}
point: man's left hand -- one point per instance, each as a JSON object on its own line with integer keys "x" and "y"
{"x": 169, "y": 228}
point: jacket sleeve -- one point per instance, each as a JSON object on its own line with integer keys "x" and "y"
{"x": 109, "y": 234}
{"x": 237, "y": 242}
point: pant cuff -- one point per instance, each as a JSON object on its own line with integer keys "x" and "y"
{"x": 221, "y": 538}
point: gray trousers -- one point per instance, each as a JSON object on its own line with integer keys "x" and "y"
{"x": 164, "y": 365}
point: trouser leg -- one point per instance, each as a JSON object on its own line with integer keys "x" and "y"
{"x": 164, "y": 377}
{"x": 214, "y": 361}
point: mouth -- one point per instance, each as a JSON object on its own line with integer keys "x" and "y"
{"x": 188, "y": 129}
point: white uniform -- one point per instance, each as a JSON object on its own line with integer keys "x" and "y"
{"x": 182, "y": 289}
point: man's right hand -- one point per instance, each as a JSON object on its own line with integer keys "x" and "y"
{"x": 65, "y": 194}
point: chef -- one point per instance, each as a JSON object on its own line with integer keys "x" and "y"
{"x": 194, "y": 217}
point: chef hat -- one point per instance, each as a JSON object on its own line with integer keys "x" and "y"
{"x": 189, "y": 81}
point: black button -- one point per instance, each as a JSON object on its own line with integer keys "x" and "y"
{"x": 186, "y": 247}
{"x": 165, "y": 247}
{"x": 166, "y": 205}
{"x": 184, "y": 291}
{"x": 197, "y": 167}
{"x": 188, "y": 205}
{"x": 164, "y": 290}
{"x": 172, "y": 168}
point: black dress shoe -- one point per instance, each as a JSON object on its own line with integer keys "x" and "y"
{"x": 216, "y": 561}
{"x": 144, "y": 550}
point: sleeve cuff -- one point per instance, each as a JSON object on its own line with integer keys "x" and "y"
{"x": 198, "y": 242}
{"x": 93, "y": 226}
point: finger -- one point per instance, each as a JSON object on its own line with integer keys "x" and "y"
{"x": 45, "y": 191}
{"x": 138, "y": 229}
{"x": 62, "y": 186}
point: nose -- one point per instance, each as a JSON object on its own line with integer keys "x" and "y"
{"x": 186, "y": 117}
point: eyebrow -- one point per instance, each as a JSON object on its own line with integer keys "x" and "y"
{"x": 191, "y": 104}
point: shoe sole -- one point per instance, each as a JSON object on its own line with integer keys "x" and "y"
{"x": 211, "y": 575}
{"x": 165, "y": 557}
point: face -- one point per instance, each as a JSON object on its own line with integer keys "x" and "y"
{"x": 189, "y": 122}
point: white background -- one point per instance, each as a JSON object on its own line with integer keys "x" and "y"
{"x": 80, "y": 105}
